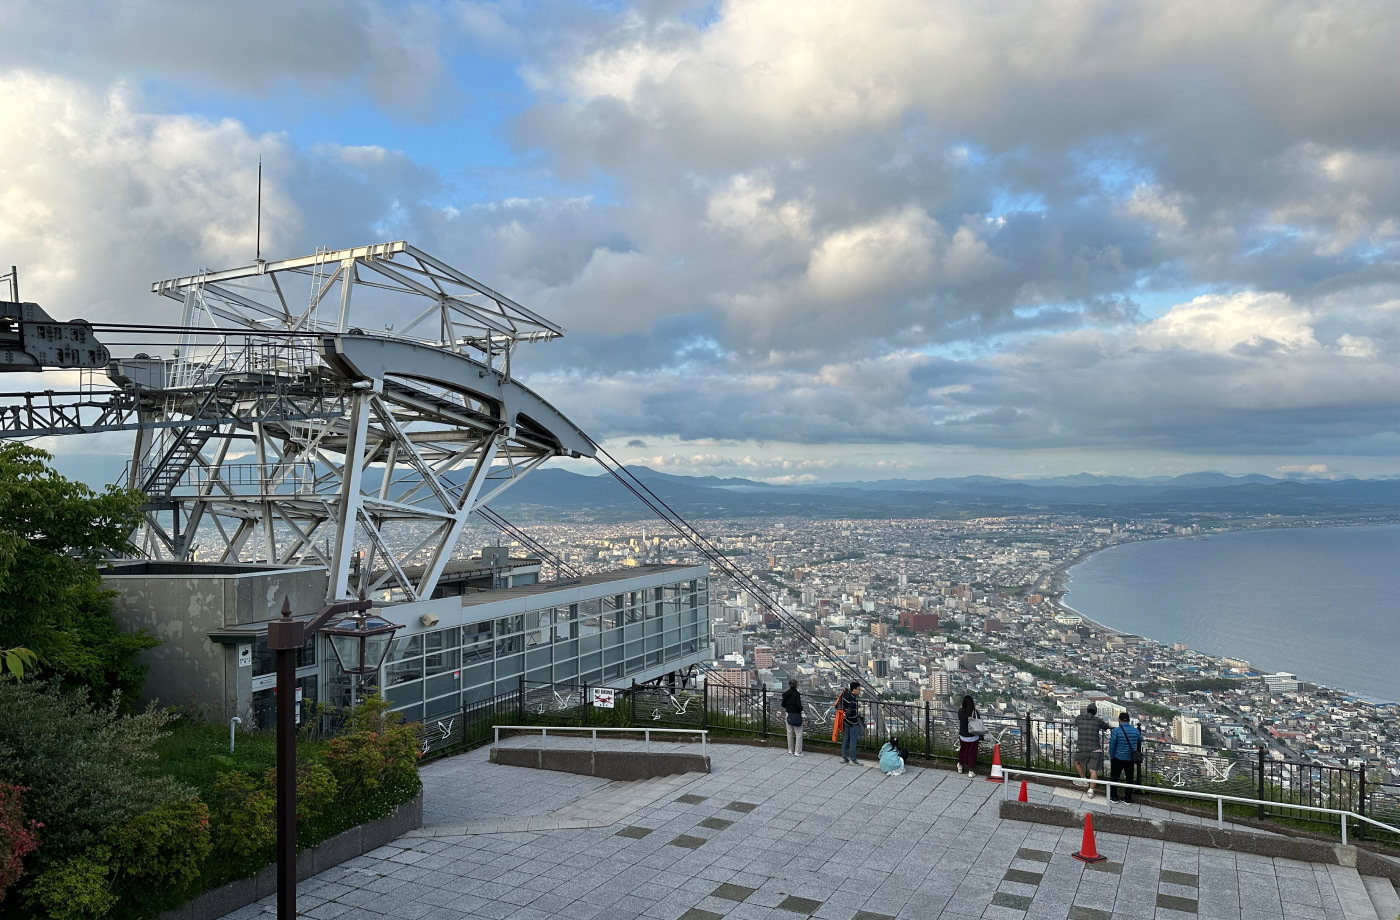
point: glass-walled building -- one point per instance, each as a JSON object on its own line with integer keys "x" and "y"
{"x": 600, "y": 630}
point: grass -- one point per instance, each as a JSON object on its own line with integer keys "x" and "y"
{"x": 197, "y": 752}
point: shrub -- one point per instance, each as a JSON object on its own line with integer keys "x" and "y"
{"x": 86, "y": 768}
{"x": 316, "y": 790}
{"x": 243, "y": 810}
{"x": 75, "y": 889}
{"x": 158, "y": 855}
{"x": 17, "y": 838}
{"x": 377, "y": 750}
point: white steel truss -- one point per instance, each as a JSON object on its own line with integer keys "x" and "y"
{"x": 293, "y": 436}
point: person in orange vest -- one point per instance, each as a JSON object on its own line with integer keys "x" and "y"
{"x": 853, "y": 723}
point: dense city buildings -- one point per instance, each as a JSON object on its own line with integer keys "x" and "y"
{"x": 931, "y": 609}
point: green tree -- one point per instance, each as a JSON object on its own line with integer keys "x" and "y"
{"x": 53, "y": 533}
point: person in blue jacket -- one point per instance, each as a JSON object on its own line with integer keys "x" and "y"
{"x": 890, "y": 760}
{"x": 1122, "y": 742}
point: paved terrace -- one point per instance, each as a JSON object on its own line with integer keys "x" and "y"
{"x": 766, "y": 836}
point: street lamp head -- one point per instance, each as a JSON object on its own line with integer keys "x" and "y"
{"x": 361, "y": 641}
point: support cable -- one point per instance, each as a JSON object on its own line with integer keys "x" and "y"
{"x": 529, "y": 542}
{"x": 716, "y": 558}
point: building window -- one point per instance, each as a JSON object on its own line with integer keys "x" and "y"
{"x": 405, "y": 661}
{"x": 265, "y": 660}
{"x": 476, "y": 642}
{"x": 565, "y": 623}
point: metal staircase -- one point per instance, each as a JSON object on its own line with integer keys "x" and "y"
{"x": 216, "y": 408}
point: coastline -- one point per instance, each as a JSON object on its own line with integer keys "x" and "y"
{"x": 1060, "y": 577}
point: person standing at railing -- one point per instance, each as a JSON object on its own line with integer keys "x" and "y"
{"x": 1124, "y": 753}
{"x": 852, "y": 721}
{"x": 1088, "y": 745}
{"x": 968, "y": 740}
{"x": 792, "y": 705}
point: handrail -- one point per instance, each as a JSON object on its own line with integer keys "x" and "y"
{"x": 544, "y": 731}
{"x": 1220, "y": 800}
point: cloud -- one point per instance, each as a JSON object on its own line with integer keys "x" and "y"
{"x": 386, "y": 52}
{"x": 101, "y": 198}
{"x": 1170, "y": 226}
{"x": 1315, "y": 470}
{"x": 1240, "y": 374}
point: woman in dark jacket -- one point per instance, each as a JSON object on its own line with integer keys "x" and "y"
{"x": 967, "y": 741}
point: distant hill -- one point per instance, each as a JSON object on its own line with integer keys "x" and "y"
{"x": 550, "y": 493}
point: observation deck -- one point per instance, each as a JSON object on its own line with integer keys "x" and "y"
{"x": 766, "y": 836}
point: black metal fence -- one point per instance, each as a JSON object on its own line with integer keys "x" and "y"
{"x": 923, "y": 730}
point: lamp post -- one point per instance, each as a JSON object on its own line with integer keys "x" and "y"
{"x": 365, "y": 637}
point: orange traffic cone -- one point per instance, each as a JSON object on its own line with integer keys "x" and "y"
{"x": 1022, "y": 797}
{"x": 1087, "y": 852}
{"x": 996, "y": 775}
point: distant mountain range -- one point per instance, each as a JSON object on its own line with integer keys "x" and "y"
{"x": 551, "y": 493}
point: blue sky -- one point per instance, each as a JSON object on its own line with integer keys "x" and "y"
{"x": 788, "y": 241}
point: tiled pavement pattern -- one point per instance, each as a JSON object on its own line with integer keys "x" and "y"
{"x": 795, "y": 837}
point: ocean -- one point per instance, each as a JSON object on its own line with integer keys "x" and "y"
{"x": 1322, "y": 603}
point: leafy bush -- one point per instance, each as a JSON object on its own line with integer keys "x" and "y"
{"x": 76, "y": 889}
{"x": 158, "y": 855}
{"x": 87, "y": 768}
{"x": 243, "y": 810}
{"x": 17, "y": 838}
{"x": 316, "y": 790}
{"x": 376, "y": 750}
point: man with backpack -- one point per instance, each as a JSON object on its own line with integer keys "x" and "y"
{"x": 1125, "y": 754}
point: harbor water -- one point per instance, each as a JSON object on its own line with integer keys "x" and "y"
{"x": 1323, "y": 603}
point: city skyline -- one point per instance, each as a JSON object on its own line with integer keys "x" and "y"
{"x": 788, "y": 243}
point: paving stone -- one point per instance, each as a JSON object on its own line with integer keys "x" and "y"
{"x": 1021, "y": 875}
{"x": 943, "y": 853}
{"x": 1172, "y": 902}
{"x": 1013, "y": 901}
{"x": 799, "y": 905}
{"x": 689, "y": 842}
{"x": 732, "y": 892}
{"x": 1077, "y": 912}
{"x": 1111, "y": 867}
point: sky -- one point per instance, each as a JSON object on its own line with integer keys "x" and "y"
{"x": 789, "y": 241}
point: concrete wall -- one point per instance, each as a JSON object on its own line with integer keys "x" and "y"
{"x": 181, "y": 604}
{"x": 615, "y": 765}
